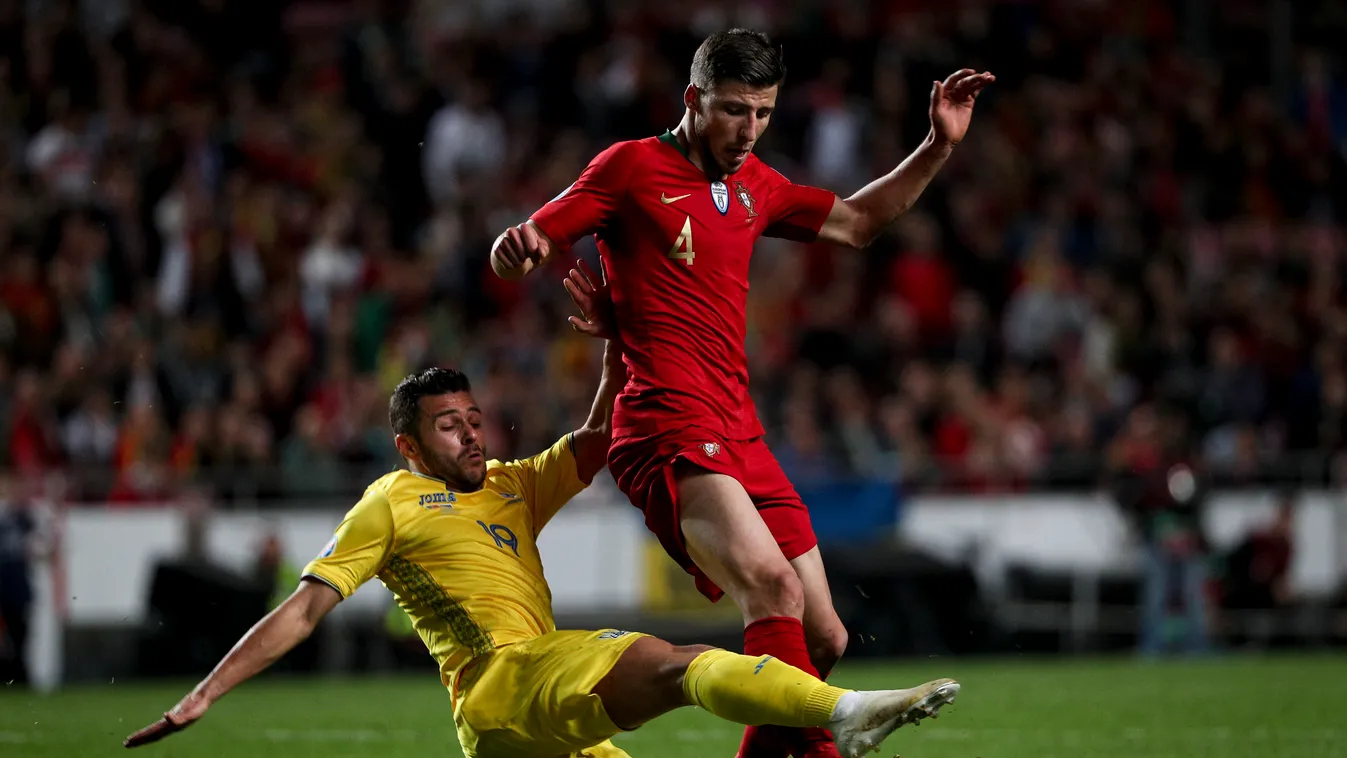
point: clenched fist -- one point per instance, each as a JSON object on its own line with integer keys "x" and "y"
{"x": 518, "y": 250}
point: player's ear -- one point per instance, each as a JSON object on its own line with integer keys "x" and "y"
{"x": 692, "y": 98}
{"x": 406, "y": 445}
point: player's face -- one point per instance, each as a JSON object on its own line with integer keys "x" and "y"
{"x": 451, "y": 445}
{"x": 730, "y": 119}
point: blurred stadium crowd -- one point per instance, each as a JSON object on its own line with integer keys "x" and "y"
{"x": 228, "y": 228}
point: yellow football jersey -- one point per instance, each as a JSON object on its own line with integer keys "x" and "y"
{"x": 464, "y": 566}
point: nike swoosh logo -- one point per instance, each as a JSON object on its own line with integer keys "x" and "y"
{"x": 663, "y": 198}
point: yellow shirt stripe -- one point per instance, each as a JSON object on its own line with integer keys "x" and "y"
{"x": 422, "y": 591}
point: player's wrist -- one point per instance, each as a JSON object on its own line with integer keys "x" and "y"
{"x": 204, "y": 694}
{"x": 614, "y": 368}
{"x": 940, "y": 143}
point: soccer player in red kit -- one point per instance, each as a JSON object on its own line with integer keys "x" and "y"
{"x": 675, "y": 218}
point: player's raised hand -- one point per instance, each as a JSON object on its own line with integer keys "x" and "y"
{"x": 187, "y": 711}
{"x": 518, "y": 249}
{"x": 952, "y": 103}
{"x": 590, "y": 294}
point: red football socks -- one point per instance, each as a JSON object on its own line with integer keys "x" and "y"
{"x": 782, "y": 637}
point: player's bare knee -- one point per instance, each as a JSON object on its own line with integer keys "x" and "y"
{"x": 827, "y": 646}
{"x": 676, "y": 667}
{"x": 774, "y": 591}
{"x": 682, "y": 656}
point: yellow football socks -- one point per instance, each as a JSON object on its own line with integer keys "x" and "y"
{"x": 758, "y": 690}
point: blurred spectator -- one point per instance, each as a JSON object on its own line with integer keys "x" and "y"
{"x": 852, "y": 420}
{"x": 272, "y": 572}
{"x": 31, "y": 310}
{"x": 34, "y": 443}
{"x": 1158, "y": 487}
{"x": 331, "y": 264}
{"x": 19, "y": 548}
{"x": 1232, "y": 391}
{"x": 972, "y": 341}
{"x": 142, "y": 457}
{"x": 922, "y": 277}
{"x": 1044, "y": 310}
{"x": 803, "y": 451}
{"x": 90, "y": 433}
{"x": 835, "y": 137}
{"x": 465, "y": 143}
{"x": 309, "y": 462}
{"x": 189, "y": 447}
{"x": 63, "y": 155}
{"x": 1258, "y": 569}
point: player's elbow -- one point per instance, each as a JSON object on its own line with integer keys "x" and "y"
{"x": 870, "y": 226}
{"x": 857, "y": 229}
{"x": 866, "y": 223}
{"x": 857, "y": 239}
{"x": 310, "y": 603}
{"x": 591, "y": 445}
{"x": 856, "y": 236}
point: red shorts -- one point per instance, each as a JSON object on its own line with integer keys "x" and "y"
{"x": 644, "y": 470}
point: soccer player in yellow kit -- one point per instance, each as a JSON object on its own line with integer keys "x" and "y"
{"x": 454, "y": 536}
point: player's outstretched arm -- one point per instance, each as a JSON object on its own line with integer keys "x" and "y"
{"x": 590, "y": 294}
{"x": 269, "y": 639}
{"x": 520, "y": 249}
{"x": 859, "y": 219}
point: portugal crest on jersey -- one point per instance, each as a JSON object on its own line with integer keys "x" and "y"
{"x": 745, "y": 198}
{"x": 721, "y": 195}
{"x": 711, "y": 449}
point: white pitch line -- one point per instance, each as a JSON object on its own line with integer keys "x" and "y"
{"x": 340, "y": 735}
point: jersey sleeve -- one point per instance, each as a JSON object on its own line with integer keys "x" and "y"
{"x": 549, "y": 480}
{"x": 587, "y": 205}
{"x": 796, "y": 211}
{"x": 361, "y": 545}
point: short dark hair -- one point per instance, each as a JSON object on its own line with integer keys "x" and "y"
{"x": 404, "y": 407}
{"x": 741, "y": 55}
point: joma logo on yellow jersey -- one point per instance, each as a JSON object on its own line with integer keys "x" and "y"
{"x": 432, "y": 499}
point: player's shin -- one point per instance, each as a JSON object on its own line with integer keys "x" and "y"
{"x": 758, "y": 690}
{"x": 784, "y": 638}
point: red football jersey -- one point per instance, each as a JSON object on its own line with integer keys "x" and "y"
{"x": 676, "y": 247}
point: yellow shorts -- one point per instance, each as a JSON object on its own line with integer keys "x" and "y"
{"x": 533, "y": 699}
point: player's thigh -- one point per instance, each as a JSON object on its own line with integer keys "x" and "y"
{"x": 536, "y": 698}
{"x": 778, "y": 503}
{"x": 787, "y": 517}
{"x": 646, "y": 681}
{"x": 824, "y": 632}
{"x": 728, "y": 540}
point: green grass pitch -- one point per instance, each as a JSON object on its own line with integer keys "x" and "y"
{"x": 1229, "y": 707}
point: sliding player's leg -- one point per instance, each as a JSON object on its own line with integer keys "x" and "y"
{"x": 653, "y": 677}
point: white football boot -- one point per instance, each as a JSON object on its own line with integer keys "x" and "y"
{"x": 862, "y": 720}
